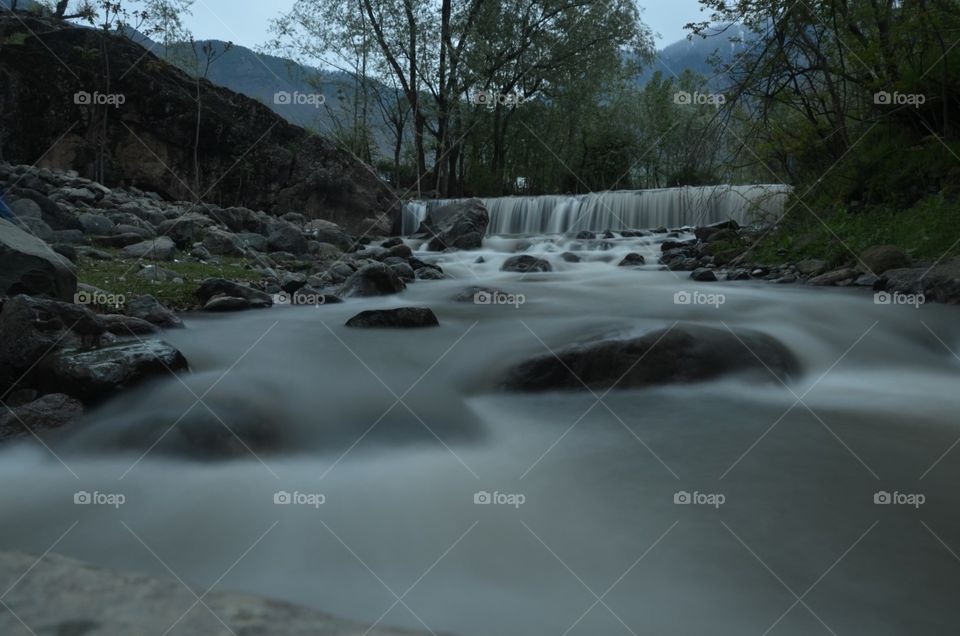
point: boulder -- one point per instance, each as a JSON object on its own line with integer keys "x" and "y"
{"x": 185, "y": 230}
{"x": 160, "y": 249}
{"x": 570, "y": 257}
{"x": 836, "y": 276}
{"x": 327, "y": 232}
{"x": 52, "y": 213}
{"x": 880, "y": 258}
{"x": 227, "y": 303}
{"x": 149, "y": 309}
{"x": 405, "y": 317}
{"x": 29, "y": 266}
{"x": 92, "y": 374}
{"x": 703, "y": 275}
{"x": 36, "y": 227}
{"x": 632, "y": 259}
{"x": 96, "y": 224}
{"x": 459, "y": 225}
{"x": 46, "y": 413}
{"x": 124, "y": 239}
{"x": 223, "y": 243}
{"x": 221, "y": 287}
{"x": 940, "y": 283}
{"x": 128, "y": 325}
{"x": 286, "y": 237}
{"x": 375, "y": 279}
{"x": 157, "y": 274}
{"x": 25, "y": 208}
{"x": 92, "y": 601}
{"x": 682, "y": 354}
{"x": 812, "y": 267}
{"x": 429, "y": 273}
{"x": 525, "y": 264}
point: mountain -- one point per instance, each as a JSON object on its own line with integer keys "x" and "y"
{"x": 694, "y": 55}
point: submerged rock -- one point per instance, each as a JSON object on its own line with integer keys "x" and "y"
{"x": 49, "y": 412}
{"x": 632, "y": 259}
{"x": 403, "y": 317}
{"x": 524, "y": 263}
{"x": 682, "y": 354}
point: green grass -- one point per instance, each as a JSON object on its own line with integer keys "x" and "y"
{"x": 928, "y": 230}
{"x": 119, "y": 277}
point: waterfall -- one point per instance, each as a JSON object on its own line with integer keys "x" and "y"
{"x": 620, "y": 210}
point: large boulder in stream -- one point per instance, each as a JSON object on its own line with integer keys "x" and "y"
{"x": 375, "y": 279}
{"x": 91, "y": 601}
{"x": 403, "y": 317}
{"x": 681, "y": 354}
{"x": 459, "y": 225}
{"x": 92, "y": 374}
{"x": 31, "y": 267}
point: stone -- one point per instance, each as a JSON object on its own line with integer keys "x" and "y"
{"x": 703, "y": 275}
{"x": 46, "y": 413}
{"x": 834, "y": 277}
{"x": 128, "y": 325}
{"x": 631, "y": 260}
{"x": 404, "y": 317}
{"x": 223, "y": 243}
{"x": 29, "y": 266}
{"x": 812, "y": 267}
{"x": 375, "y": 279}
{"x": 96, "y": 224}
{"x": 221, "y": 287}
{"x": 286, "y": 237}
{"x": 880, "y": 258}
{"x": 160, "y": 249}
{"x": 459, "y": 225}
{"x": 682, "y": 354}
{"x": 149, "y": 309}
{"x": 525, "y": 264}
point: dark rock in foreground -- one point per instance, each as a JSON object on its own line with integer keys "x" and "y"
{"x": 632, "y": 259}
{"x": 91, "y": 601}
{"x": 682, "y": 354}
{"x": 525, "y": 264}
{"x": 91, "y": 374}
{"x": 46, "y": 413}
{"x": 375, "y": 279}
{"x": 29, "y": 266}
{"x": 403, "y": 317}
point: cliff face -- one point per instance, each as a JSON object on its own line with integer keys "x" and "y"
{"x": 75, "y": 98}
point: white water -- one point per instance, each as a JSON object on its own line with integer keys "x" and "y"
{"x": 619, "y": 210}
{"x": 799, "y": 487}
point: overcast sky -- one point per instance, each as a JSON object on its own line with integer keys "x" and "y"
{"x": 247, "y": 22}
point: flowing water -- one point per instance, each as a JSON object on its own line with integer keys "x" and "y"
{"x": 399, "y": 431}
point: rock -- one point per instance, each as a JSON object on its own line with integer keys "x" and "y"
{"x": 94, "y": 254}
{"x": 29, "y": 266}
{"x": 68, "y": 236}
{"x": 157, "y": 274}
{"x": 200, "y": 253}
{"x": 252, "y": 240}
{"x": 585, "y": 235}
{"x": 525, "y": 264}
{"x": 682, "y": 354}
{"x": 69, "y": 252}
{"x": 401, "y": 251}
{"x": 459, "y": 225}
{"x": 631, "y": 260}
{"x": 160, "y": 249}
{"x": 79, "y": 195}
{"x": 46, "y": 413}
{"x": 404, "y": 271}
{"x": 327, "y": 232}
{"x": 392, "y": 242}
{"x": 812, "y": 267}
{"x": 227, "y": 303}
{"x": 940, "y": 283}
{"x": 128, "y": 325}
{"x": 570, "y": 257}
{"x": 149, "y": 308}
{"x": 666, "y": 246}
{"x": 92, "y": 601}
{"x": 221, "y": 287}
{"x": 866, "y": 280}
{"x": 429, "y": 273}
{"x": 375, "y": 279}
{"x": 287, "y": 238}
{"x": 703, "y": 275}
{"x": 185, "y": 230}
{"x": 880, "y": 258}
{"x": 834, "y": 277}
{"x": 92, "y": 374}
{"x": 35, "y": 227}
{"x": 26, "y": 208}
{"x": 223, "y": 243}
{"x": 117, "y": 240}
{"x": 96, "y": 224}
{"x": 405, "y": 317}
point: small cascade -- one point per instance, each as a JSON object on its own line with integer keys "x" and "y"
{"x": 619, "y": 210}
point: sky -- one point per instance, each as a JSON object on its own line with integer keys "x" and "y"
{"x": 247, "y": 22}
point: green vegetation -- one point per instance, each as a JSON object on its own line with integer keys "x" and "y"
{"x": 118, "y": 276}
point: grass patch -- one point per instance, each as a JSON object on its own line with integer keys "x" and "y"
{"x": 928, "y": 230}
{"x": 119, "y": 277}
